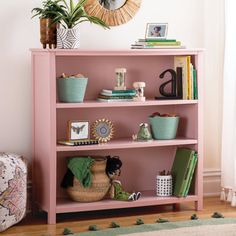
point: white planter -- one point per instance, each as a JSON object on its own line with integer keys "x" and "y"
{"x": 68, "y": 38}
{"x": 164, "y": 185}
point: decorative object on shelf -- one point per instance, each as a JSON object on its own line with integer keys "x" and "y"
{"x": 48, "y": 29}
{"x": 156, "y": 30}
{"x": 120, "y": 79}
{"x": 164, "y": 184}
{"x": 71, "y": 88}
{"x": 86, "y": 179}
{"x": 175, "y": 87}
{"x": 69, "y": 14}
{"x": 78, "y": 130}
{"x": 113, "y": 12}
{"x": 116, "y": 190}
{"x": 103, "y": 130}
{"x": 139, "y": 87}
{"x": 143, "y": 133}
{"x": 164, "y": 126}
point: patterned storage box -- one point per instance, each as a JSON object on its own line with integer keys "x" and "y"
{"x": 13, "y": 183}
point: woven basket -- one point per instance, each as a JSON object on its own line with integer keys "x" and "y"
{"x": 99, "y": 187}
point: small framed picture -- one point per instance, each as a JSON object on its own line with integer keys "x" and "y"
{"x": 78, "y": 130}
{"x": 156, "y": 31}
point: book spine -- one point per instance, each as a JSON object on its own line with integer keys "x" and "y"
{"x": 157, "y": 40}
{"x": 195, "y": 84}
{"x": 191, "y": 175}
{"x": 181, "y": 61}
{"x": 118, "y": 91}
{"x": 114, "y": 100}
{"x": 118, "y": 94}
{"x": 186, "y": 177}
{"x": 178, "y": 43}
{"x": 189, "y": 76}
{"x": 115, "y": 97}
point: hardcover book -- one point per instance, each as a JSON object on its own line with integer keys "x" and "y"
{"x": 180, "y": 169}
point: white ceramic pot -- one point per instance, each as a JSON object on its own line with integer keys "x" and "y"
{"x": 68, "y": 38}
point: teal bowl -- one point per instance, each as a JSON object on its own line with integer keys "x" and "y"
{"x": 71, "y": 89}
{"x": 164, "y": 127}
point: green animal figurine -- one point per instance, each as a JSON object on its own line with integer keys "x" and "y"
{"x": 144, "y": 133}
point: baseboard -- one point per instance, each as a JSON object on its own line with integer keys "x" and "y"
{"x": 211, "y": 182}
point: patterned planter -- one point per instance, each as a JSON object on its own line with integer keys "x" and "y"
{"x": 68, "y": 38}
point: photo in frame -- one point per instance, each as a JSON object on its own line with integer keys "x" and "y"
{"x": 156, "y": 31}
{"x": 78, "y": 130}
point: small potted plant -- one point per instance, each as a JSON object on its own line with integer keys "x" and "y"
{"x": 48, "y": 29}
{"x": 69, "y": 15}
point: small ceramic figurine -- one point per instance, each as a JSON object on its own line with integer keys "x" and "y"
{"x": 139, "y": 87}
{"x": 120, "y": 79}
{"x": 143, "y": 133}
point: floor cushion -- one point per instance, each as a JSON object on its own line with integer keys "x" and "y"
{"x": 13, "y": 187}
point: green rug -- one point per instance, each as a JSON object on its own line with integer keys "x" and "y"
{"x": 192, "y": 227}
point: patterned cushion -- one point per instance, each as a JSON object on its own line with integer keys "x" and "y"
{"x": 13, "y": 183}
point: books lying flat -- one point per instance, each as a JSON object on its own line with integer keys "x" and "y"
{"x": 156, "y": 47}
{"x": 182, "y": 169}
{"x": 79, "y": 142}
{"x": 115, "y": 100}
{"x": 156, "y": 40}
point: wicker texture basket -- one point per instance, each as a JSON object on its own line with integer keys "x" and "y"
{"x": 99, "y": 187}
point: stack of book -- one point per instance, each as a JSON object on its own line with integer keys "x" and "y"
{"x": 156, "y": 44}
{"x": 182, "y": 171}
{"x": 189, "y": 76}
{"x": 108, "y": 95}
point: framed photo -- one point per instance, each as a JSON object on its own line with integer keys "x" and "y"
{"x": 78, "y": 130}
{"x": 156, "y": 31}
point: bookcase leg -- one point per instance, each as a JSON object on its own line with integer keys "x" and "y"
{"x": 176, "y": 207}
{"x": 199, "y": 205}
{"x": 51, "y": 218}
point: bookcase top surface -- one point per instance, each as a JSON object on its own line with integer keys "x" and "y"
{"x": 127, "y": 52}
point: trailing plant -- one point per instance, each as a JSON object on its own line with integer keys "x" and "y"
{"x": 70, "y": 14}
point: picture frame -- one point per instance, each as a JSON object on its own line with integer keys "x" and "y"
{"x": 156, "y": 31}
{"x": 78, "y": 130}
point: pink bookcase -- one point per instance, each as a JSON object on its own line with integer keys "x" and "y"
{"x": 141, "y": 160}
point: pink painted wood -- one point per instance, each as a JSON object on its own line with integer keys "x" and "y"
{"x": 50, "y": 119}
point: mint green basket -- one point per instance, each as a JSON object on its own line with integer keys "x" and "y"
{"x": 71, "y": 89}
{"x": 164, "y": 127}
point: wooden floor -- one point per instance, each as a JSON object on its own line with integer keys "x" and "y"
{"x": 37, "y": 226}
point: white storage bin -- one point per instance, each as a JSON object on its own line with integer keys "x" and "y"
{"x": 164, "y": 185}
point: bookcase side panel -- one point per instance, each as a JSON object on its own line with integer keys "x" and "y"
{"x": 44, "y": 156}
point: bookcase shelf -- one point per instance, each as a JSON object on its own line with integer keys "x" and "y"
{"x": 148, "y": 199}
{"x": 125, "y": 143}
{"x": 149, "y": 102}
{"x": 146, "y": 159}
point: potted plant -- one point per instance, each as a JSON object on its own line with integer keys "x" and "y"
{"x": 70, "y": 14}
{"x": 48, "y": 28}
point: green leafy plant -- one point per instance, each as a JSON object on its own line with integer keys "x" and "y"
{"x": 70, "y": 14}
{"x": 48, "y": 10}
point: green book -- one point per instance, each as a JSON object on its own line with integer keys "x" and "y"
{"x": 192, "y": 169}
{"x": 180, "y": 169}
{"x": 195, "y": 95}
{"x": 157, "y": 40}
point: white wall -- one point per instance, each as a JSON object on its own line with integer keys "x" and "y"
{"x": 197, "y": 23}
